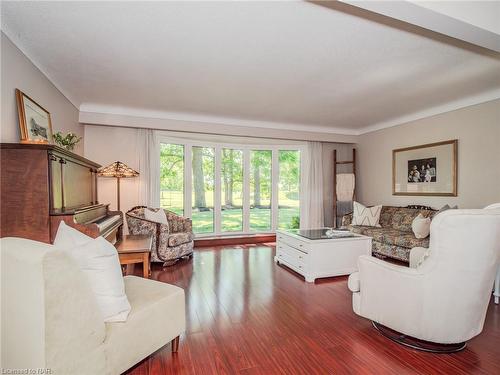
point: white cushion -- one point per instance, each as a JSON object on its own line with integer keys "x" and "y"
{"x": 98, "y": 260}
{"x": 492, "y": 206}
{"x": 67, "y": 237}
{"x": 157, "y": 316}
{"x": 156, "y": 216}
{"x": 418, "y": 255}
{"x": 353, "y": 282}
{"x": 356, "y": 302}
{"x": 421, "y": 226}
{"x": 50, "y": 315}
{"x": 366, "y": 216}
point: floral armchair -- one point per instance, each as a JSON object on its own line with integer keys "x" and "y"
{"x": 170, "y": 242}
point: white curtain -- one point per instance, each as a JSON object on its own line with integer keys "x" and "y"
{"x": 312, "y": 187}
{"x": 149, "y": 168}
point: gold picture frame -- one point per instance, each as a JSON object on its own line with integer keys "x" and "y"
{"x": 426, "y": 170}
{"x": 34, "y": 121}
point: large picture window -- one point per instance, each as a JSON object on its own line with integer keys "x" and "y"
{"x": 231, "y": 189}
{"x": 260, "y": 190}
{"x": 203, "y": 188}
{"x": 289, "y": 189}
{"x": 172, "y": 177}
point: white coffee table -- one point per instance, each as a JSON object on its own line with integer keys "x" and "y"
{"x": 317, "y": 258}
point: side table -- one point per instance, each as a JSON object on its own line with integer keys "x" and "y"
{"x": 135, "y": 249}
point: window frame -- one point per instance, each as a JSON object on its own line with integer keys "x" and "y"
{"x": 246, "y": 148}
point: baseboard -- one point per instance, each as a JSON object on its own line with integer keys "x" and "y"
{"x": 234, "y": 240}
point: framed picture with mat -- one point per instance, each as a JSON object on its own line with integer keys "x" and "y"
{"x": 34, "y": 120}
{"x": 426, "y": 170}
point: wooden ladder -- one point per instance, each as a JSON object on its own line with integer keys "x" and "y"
{"x": 335, "y": 163}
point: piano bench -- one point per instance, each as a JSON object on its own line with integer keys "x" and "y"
{"x": 136, "y": 249}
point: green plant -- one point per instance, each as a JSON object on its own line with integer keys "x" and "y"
{"x": 295, "y": 224}
{"x": 68, "y": 141}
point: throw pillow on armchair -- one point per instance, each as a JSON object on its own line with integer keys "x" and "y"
{"x": 157, "y": 216}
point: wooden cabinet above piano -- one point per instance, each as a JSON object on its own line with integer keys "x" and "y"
{"x": 42, "y": 185}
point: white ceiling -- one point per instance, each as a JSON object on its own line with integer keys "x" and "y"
{"x": 284, "y": 64}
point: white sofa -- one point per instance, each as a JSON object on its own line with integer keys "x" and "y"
{"x": 444, "y": 299}
{"x": 50, "y": 319}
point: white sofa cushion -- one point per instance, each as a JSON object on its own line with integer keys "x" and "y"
{"x": 67, "y": 237}
{"x": 366, "y": 216}
{"x": 418, "y": 255}
{"x": 52, "y": 319}
{"x": 421, "y": 226}
{"x": 98, "y": 260}
{"x": 353, "y": 282}
{"x": 157, "y": 316}
{"x": 158, "y": 216}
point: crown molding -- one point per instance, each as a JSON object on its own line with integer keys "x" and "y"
{"x": 210, "y": 119}
{"x": 120, "y": 116}
{"x": 14, "y": 38}
{"x": 434, "y": 111}
{"x": 128, "y": 121}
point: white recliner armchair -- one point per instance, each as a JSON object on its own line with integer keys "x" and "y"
{"x": 445, "y": 298}
{"x": 496, "y": 290}
{"x": 50, "y": 318}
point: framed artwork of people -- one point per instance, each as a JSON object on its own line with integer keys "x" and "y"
{"x": 429, "y": 169}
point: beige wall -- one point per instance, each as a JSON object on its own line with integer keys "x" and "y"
{"x": 477, "y": 129}
{"x": 19, "y": 72}
{"x": 106, "y": 144}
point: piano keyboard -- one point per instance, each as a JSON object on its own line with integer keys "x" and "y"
{"x": 107, "y": 222}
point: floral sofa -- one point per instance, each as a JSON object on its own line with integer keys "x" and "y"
{"x": 170, "y": 242}
{"x": 394, "y": 238}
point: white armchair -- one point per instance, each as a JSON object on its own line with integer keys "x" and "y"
{"x": 444, "y": 299}
{"x": 496, "y": 290}
{"x": 50, "y": 318}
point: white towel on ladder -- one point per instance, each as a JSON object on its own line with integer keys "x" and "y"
{"x": 345, "y": 186}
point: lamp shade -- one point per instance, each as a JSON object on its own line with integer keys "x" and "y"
{"x": 117, "y": 169}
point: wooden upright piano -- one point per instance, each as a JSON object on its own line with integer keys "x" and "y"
{"x": 42, "y": 185}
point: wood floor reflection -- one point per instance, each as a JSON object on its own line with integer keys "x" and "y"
{"x": 245, "y": 315}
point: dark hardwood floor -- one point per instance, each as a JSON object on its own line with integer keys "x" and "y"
{"x": 245, "y": 315}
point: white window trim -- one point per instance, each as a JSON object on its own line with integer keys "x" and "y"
{"x": 246, "y": 148}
